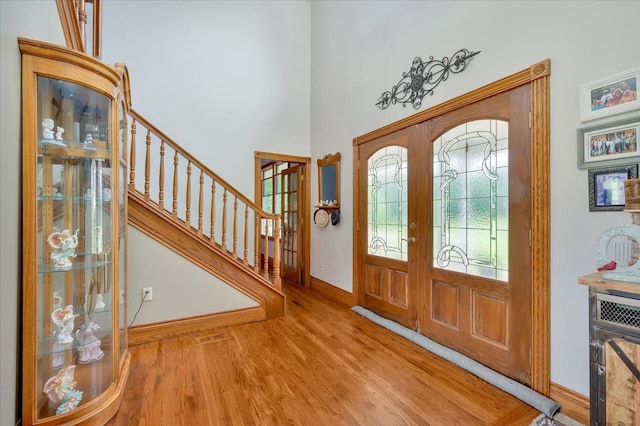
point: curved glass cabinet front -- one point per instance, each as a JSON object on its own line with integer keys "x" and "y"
{"x": 75, "y": 216}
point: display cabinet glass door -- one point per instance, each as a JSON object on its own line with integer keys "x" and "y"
{"x": 74, "y": 243}
{"x": 122, "y": 230}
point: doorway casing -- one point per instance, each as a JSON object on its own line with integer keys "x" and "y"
{"x": 259, "y": 158}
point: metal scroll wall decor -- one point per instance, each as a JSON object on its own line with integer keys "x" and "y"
{"x": 423, "y": 77}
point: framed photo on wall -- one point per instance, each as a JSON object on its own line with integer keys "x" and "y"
{"x": 610, "y": 95}
{"x": 609, "y": 144}
{"x": 606, "y": 187}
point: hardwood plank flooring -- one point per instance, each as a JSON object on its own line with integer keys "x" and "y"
{"x": 321, "y": 364}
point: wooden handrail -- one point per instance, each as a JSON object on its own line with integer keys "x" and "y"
{"x": 195, "y": 161}
{"x": 155, "y": 145}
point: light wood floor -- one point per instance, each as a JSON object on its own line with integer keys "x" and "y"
{"x": 322, "y": 364}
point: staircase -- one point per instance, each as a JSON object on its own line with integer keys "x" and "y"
{"x": 176, "y": 200}
{"x": 202, "y": 217}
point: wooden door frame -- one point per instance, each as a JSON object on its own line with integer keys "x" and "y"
{"x": 304, "y": 204}
{"x": 538, "y": 76}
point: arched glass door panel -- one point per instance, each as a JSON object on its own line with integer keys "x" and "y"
{"x": 470, "y": 199}
{"x": 387, "y": 203}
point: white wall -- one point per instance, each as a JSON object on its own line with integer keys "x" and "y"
{"x": 180, "y": 288}
{"x": 359, "y": 50}
{"x": 36, "y": 20}
{"x": 224, "y": 80}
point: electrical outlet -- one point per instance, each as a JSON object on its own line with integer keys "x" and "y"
{"x": 147, "y": 294}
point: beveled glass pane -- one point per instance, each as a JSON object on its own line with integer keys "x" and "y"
{"x": 276, "y": 204}
{"x": 470, "y": 199}
{"x": 267, "y": 187}
{"x": 267, "y": 205}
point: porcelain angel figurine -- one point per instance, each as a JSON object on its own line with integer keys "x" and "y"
{"x": 63, "y": 246}
{"x": 64, "y": 320}
{"x": 61, "y": 388}
{"x": 89, "y": 350}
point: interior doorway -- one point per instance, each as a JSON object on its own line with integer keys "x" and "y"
{"x": 282, "y": 187}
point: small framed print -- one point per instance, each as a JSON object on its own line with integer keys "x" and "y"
{"x": 609, "y": 144}
{"x": 606, "y": 187}
{"x": 610, "y": 95}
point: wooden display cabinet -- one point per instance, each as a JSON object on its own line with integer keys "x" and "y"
{"x": 75, "y": 359}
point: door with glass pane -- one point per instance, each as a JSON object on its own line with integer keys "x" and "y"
{"x": 291, "y": 226}
{"x": 477, "y": 290}
{"x": 443, "y": 230}
{"x": 386, "y": 256}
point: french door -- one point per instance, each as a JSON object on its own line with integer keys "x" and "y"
{"x": 292, "y": 231}
{"x": 444, "y": 222}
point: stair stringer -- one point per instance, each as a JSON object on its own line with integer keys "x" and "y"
{"x": 169, "y": 232}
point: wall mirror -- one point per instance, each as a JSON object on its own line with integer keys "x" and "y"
{"x": 329, "y": 181}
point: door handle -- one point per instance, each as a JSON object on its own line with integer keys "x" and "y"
{"x": 410, "y": 240}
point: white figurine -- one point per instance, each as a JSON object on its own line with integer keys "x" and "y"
{"x": 47, "y": 128}
{"x": 64, "y": 320}
{"x": 59, "y": 132}
{"x": 100, "y": 303}
{"x": 63, "y": 245}
{"x": 89, "y": 349}
{"x": 88, "y": 142}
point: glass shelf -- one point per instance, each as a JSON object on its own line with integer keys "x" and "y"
{"x": 74, "y": 199}
{"x": 75, "y": 266}
{"x": 51, "y": 346}
{"x": 73, "y": 149}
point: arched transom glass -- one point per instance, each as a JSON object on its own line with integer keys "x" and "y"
{"x": 470, "y": 199}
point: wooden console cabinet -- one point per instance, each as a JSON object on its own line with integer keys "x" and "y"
{"x": 74, "y": 165}
{"x": 614, "y": 351}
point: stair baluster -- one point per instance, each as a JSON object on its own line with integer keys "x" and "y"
{"x": 161, "y": 178}
{"x": 224, "y": 220}
{"x": 235, "y": 227}
{"x": 132, "y": 172}
{"x": 245, "y": 260}
{"x": 200, "y": 198}
{"x": 147, "y": 166}
{"x": 175, "y": 186}
{"x": 187, "y": 221}
{"x": 213, "y": 212}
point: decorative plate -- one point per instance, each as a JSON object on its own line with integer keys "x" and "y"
{"x": 321, "y": 217}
